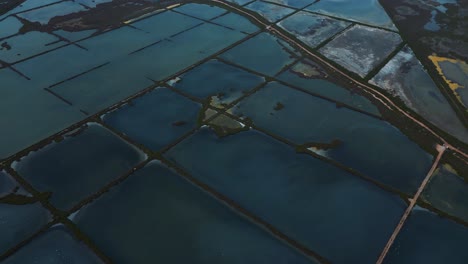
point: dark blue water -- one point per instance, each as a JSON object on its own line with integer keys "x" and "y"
{"x": 18, "y": 222}
{"x": 30, "y": 113}
{"x": 216, "y": 79}
{"x": 102, "y": 87}
{"x": 448, "y": 192}
{"x": 369, "y": 145}
{"x": 156, "y": 216}
{"x": 78, "y": 166}
{"x": 295, "y": 76}
{"x": 29, "y": 44}
{"x": 55, "y": 246}
{"x": 166, "y": 24}
{"x": 156, "y": 119}
{"x": 430, "y": 239}
{"x": 269, "y": 60}
{"x": 338, "y": 215}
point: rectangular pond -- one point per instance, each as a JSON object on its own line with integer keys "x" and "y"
{"x": 156, "y": 216}
{"x": 333, "y": 213}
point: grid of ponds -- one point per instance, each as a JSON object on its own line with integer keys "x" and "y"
{"x": 194, "y": 135}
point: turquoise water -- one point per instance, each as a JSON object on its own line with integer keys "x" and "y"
{"x": 369, "y": 145}
{"x": 293, "y": 3}
{"x": 92, "y": 3}
{"x": 78, "y": 166}
{"x": 164, "y": 115}
{"x": 297, "y": 75}
{"x": 448, "y": 192}
{"x": 337, "y": 215}
{"x": 10, "y": 26}
{"x": 430, "y": 239}
{"x": 26, "y": 5}
{"x": 175, "y": 222}
{"x": 214, "y": 79}
{"x": 269, "y": 60}
{"x": 237, "y": 22}
{"x": 55, "y": 246}
{"x": 360, "y": 49}
{"x": 364, "y": 11}
{"x": 270, "y": 12}
{"x": 201, "y": 11}
{"x": 166, "y": 24}
{"x": 312, "y": 29}
{"x": 240, "y": 2}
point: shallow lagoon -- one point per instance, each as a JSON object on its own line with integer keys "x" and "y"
{"x": 270, "y": 12}
{"x": 457, "y": 73}
{"x": 307, "y": 199}
{"x": 156, "y": 216}
{"x": 367, "y": 144}
{"x": 91, "y": 159}
{"x": 156, "y": 119}
{"x": 312, "y": 78}
{"x": 360, "y": 49}
{"x": 363, "y": 11}
{"x": 312, "y": 29}
{"x": 404, "y": 77}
